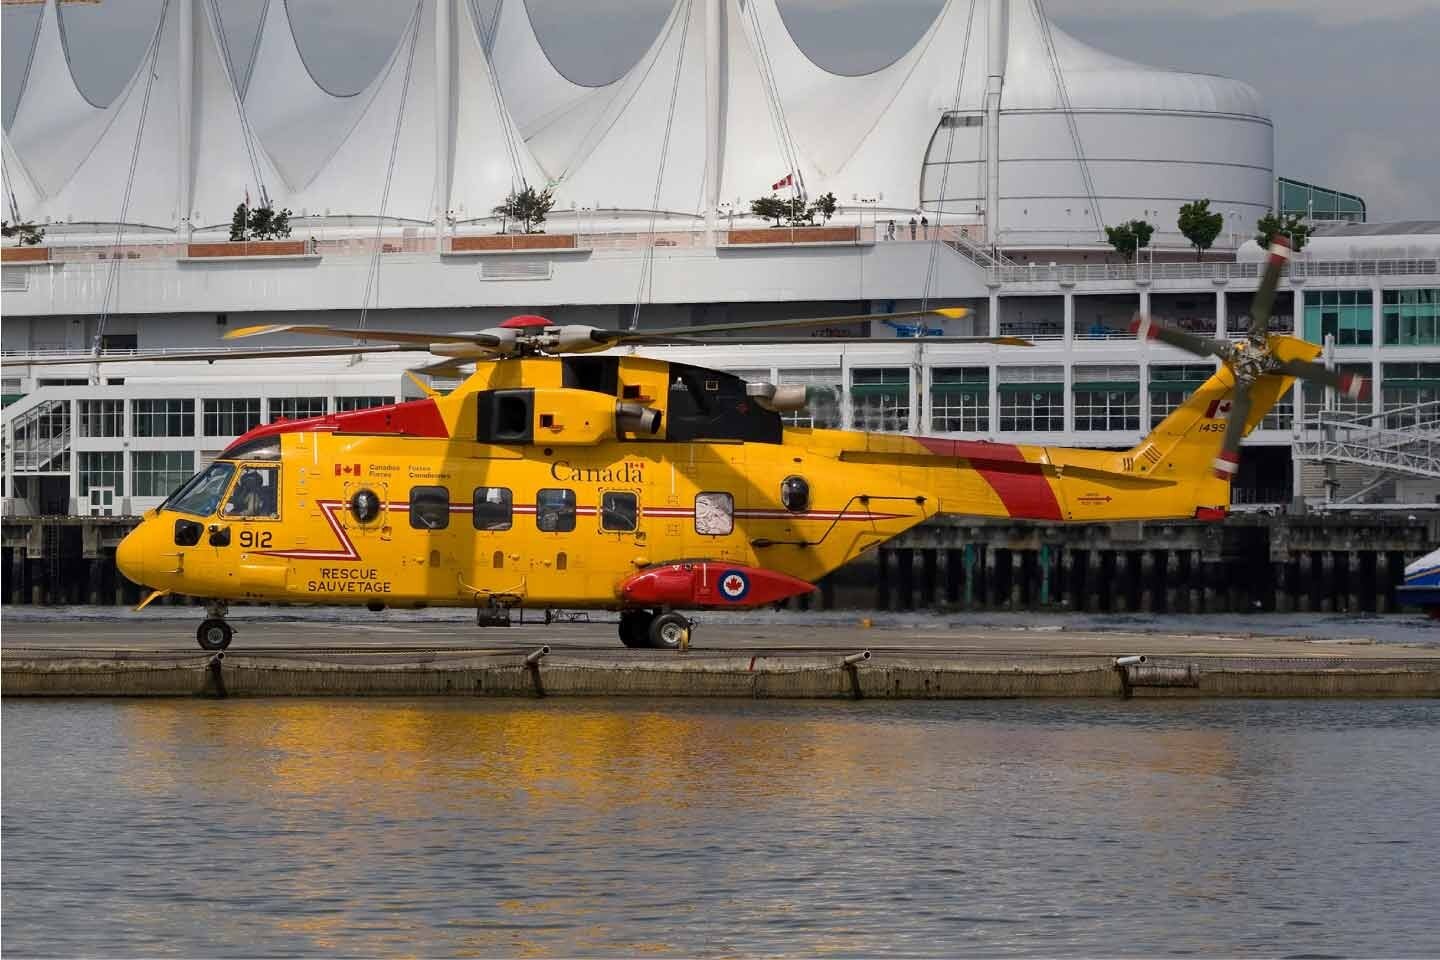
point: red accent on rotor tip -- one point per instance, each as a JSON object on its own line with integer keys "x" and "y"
{"x": 1211, "y": 513}
{"x": 1143, "y": 326}
{"x": 1355, "y": 386}
{"x": 526, "y": 321}
{"x": 1226, "y": 465}
{"x": 1279, "y": 248}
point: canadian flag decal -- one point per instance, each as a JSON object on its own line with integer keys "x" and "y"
{"x": 1219, "y": 407}
{"x": 347, "y": 469}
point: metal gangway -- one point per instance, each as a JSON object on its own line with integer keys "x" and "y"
{"x": 1399, "y": 441}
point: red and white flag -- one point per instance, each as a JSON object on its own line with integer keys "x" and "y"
{"x": 787, "y": 181}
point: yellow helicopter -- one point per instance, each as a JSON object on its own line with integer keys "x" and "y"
{"x": 560, "y": 475}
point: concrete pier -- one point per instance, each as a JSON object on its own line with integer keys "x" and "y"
{"x": 279, "y": 658}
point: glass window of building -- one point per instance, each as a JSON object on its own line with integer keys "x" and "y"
{"x": 1107, "y": 397}
{"x": 1411, "y": 317}
{"x": 823, "y": 410}
{"x": 102, "y": 418}
{"x": 1346, "y": 315}
{"x": 162, "y": 418}
{"x": 230, "y": 417}
{"x": 102, "y": 469}
{"x": 880, "y": 398}
{"x": 1307, "y": 200}
{"x": 1404, "y": 388}
{"x": 159, "y": 473}
{"x": 347, "y": 404}
{"x": 296, "y": 408}
{"x": 1171, "y": 385}
{"x": 1318, "y": 397}
{"x": 1282, "y": 415}
{"x": 1031, "y": 398}
{"x": 960, "y": 399}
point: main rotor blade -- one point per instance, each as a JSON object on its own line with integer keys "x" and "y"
{"x": 823, "y": 341}
{"x": 632, "y": 336}
{"x": 1145, "y": 328}
{"x": 1265, "y": 296}
{"x": 1349, "y": 385}
{"x": 1227, "y": 461}
{"x": 209, "y": 356}
{"x": 355, "y": 333}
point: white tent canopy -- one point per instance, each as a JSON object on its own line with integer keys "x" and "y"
{"x": 722, "y": 104}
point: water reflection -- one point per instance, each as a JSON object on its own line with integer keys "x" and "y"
{"x": 569, "y": 828}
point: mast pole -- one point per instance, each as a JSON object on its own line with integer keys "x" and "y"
{"x": 998, "y": 28}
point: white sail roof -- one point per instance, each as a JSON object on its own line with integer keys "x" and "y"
{"x": 722, "y": 104}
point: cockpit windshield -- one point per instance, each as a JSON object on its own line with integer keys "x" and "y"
{"x": 202, "y": 494}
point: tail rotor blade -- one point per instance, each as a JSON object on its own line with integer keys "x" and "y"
{"x": 1227, "y": 461}
{"x": 1145, "y": 328}
{"x": 1265, "y": 296}
{"x": 1352, "y": 386}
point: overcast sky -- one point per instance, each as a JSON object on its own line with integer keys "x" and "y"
{"x": 1351, "y": 84}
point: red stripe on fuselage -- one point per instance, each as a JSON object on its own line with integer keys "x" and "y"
{"x": 1020, "y": 484}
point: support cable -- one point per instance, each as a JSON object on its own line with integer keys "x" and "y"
{"x": 778, "y": 122}
{"x": 647, "y": 260}
{"x": 372, "y": 275}
{"x": 112, "y": 277}
{"x": 945, "y": 170}
{"x": 487, "y": 43}
{"x": 246, "y": 131}
{"x": 1048, "y": 39}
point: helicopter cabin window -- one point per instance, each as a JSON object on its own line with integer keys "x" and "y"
{"x": 714, "y": 514}
{"x": 429, "y": 508}
{"x": 256, "y": 494}
{"x": 619, "y": 511}
{"x": 555, "y": 510}
{"x": 493, "y": 508}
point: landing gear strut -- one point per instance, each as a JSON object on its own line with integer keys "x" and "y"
{"x": 214, "y": 633}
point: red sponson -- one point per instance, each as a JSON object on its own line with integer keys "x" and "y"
{"x": 708, "y": 583}
{"x": 1211, "y": 513}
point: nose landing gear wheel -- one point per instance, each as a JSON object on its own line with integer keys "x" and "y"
{"x": 214, "y": 635}
{"x": 635, "y": 627}
{"x": 668, "y": 630}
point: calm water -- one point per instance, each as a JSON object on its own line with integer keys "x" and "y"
{"x": 661, "y": 828}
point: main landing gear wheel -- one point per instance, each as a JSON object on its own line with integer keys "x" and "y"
{"x": 635, "y": 627}
{"x": 214, "y": 634}
{"x": 668, "y": 631}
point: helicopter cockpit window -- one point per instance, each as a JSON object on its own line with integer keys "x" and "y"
{"x": 202, "y": 494}
{"x": 555, "y": 510}
{"x": 429, "y": 508}
{"x": 492, "y": 508}
{"x": 619, "y": 511}
{"x": 261, "y": 448}
{"x": 256, "y": 494}
{"x": 714, "y": 514}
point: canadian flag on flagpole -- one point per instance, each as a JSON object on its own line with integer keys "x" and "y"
{"x": 787, "y": 181}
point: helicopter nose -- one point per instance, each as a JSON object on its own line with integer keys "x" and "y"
{"x": 130, "y": 556}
